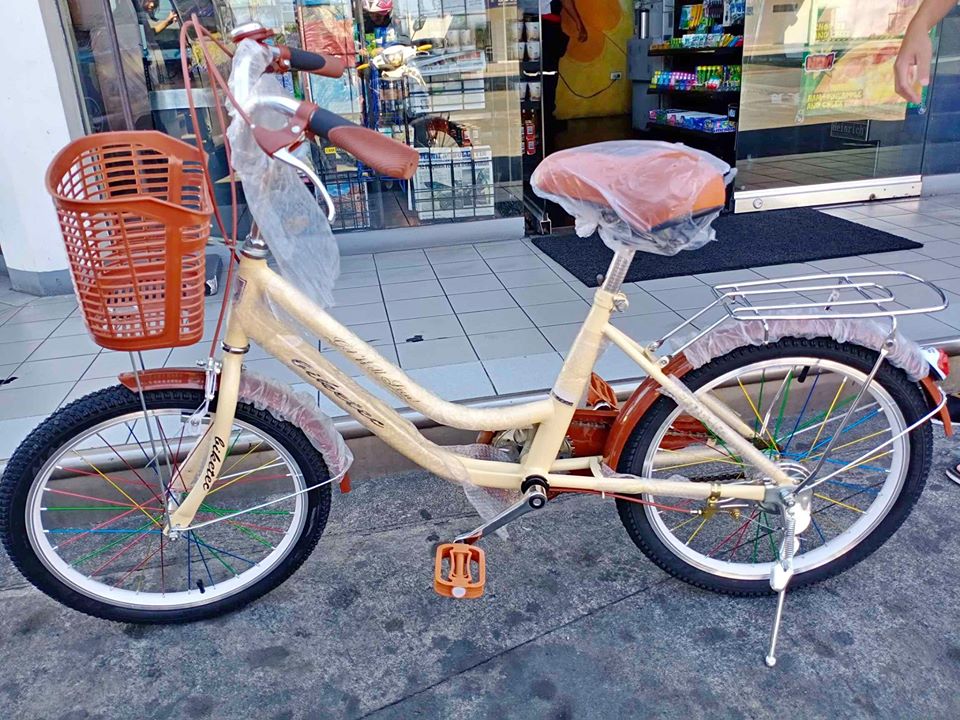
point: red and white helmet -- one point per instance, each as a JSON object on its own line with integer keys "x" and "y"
{"x": 378, "y": 7}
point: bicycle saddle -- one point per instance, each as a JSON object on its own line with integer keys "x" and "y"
{"x": 650, "y": 186}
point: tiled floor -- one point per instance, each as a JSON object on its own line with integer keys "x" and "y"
{"x": 465, "y": 321}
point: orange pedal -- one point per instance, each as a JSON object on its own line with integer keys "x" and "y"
{"x": 463, "y": 574}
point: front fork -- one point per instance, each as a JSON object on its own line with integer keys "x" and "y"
{"x": 202, "y": 468}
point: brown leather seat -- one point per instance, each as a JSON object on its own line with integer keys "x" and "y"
{"x": 649, "y": 191}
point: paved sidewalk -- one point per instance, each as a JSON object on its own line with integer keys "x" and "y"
{"x": 466, "y": 321}
{"x": 576, "y": 625}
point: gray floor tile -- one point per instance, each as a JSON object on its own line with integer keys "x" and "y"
{"x": 913, "y": 220}
{"x": 510, "y": 343}
{"x": 614, "y": 365}
{"x": 343, "y": 297}
{"x": 73, "y": 325}
{"x": 428, "y": 328}
{"x": 527, "y": 278}
{"x": 561, "y": 336}
{"x": 543, "y": 294}
{"x": 418, "y": 308}
{"x": 725, "y": 276}
{"x": 85, "y": 387}
{"x": 462, "y": 381}
{"x": 494, "y": 320}
{"x": 947, "y": 231}
{"x": 523, "y": 374}
{"x": 850, "y": 264}
{"x": 923, "y": 328}
{"x": 367, "y": 278}
{"x": 17, "y": 352}
{"x": 685, "y": 298}
{"x": 412, "y": 290}
{"x": 461, "y": 269}
{"x": 111, "y": 364}
{"x": 561, "y": 313}
{"x": 641, "y": 302}
{"x": 188, "y": 355}
{"x": 516, "y": 262}
{"x": 360, "y": 314}
{"x": 45, "y": 372}
{"x": 390, "y": 276}
{"x": 14, "y": 430}
{"x": 357, "y": 263}
{"x": 454, "y": 253}
{"x": 7, "y": 312}
{"x": 32, "y": 401}
{"x": 429, "y": 353}
{"x": 503, "y": 248}
{"x": 475, "y": 302}
{"x": 470, "y": 284}
{"x": 778, "y": 271}
{"x": 37, "y": 330}
{"x": 400, "y": 259}
{"x": 44, "y": 311}
{"x": 653, "y": 286}
{"x": 897, "y": 256}
{"x": 929, "y": 269}
{"x": 57, "y": 347}
{"x": 643, "y": 328}
{"x": 940, "y": 249}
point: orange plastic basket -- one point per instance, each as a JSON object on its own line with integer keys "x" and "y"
{"x": 135, "y": 215}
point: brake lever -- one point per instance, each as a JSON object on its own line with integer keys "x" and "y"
{"x": 284, "y": 155}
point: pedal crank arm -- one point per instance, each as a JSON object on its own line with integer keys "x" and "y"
{"x": 533, "y": 499}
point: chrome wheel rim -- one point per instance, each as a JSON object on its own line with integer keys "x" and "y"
{"x": 746, "y": 541}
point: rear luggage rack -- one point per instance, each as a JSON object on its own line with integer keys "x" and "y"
{"x": 830, "y": 296}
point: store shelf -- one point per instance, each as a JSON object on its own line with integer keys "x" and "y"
{"x": 689, "y": 132}
{"x": 711, "y": 51}
{"x": 714, "y": 94}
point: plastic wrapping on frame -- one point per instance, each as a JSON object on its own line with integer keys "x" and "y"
{"x": 667, "y": 176}
{"x": 278, "y": 399}
{"x": 488, "y": 502}
{"x": 904, "y": 353}
{"x": 287, "y": 214}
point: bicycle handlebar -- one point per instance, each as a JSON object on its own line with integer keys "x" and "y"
{"x": 383, "y": 154}
{"x": 315, "y": 63}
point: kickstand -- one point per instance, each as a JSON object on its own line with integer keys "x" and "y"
{"x": 781, "y": 573}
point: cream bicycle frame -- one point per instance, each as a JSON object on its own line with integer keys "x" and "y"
{"x": 250, "y": 320}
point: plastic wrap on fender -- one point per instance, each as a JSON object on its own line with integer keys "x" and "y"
{"x": 289, "y": 217}
{"x": 904, "y": 353}
{"x": 278, "y": 399}
{"x": 651, "y": 196}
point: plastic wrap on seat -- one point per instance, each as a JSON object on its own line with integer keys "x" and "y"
{"x": 278, "y": 399}
{"x": 904, "y": 353}
{"x": 651, "y": 196}
{"x": 287, "y": 214}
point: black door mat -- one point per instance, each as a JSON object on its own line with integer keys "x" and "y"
{"x": 743, "y": 241}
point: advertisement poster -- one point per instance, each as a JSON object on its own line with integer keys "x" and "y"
{"x": 821, "y": 61}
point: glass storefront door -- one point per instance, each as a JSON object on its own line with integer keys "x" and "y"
{"x": 819, "y": 119}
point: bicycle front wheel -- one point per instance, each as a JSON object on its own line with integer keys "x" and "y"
{"x": 794, "y": 394}
{"x": 83, "y": 503}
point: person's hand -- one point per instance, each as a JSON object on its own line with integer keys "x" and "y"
{"x": 913, "y": 63}
{"x": 172, "y": 17}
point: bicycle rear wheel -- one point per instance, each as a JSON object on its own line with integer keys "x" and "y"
{"x": 83, "y": 503}
{"x": 794, "y": 394}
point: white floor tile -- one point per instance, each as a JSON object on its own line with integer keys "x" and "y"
{"x": 418, "y": 308}
{"x": 429, "y": 353}
{"x": 400, "y": 259}
{"x": 560, "y": 313}
{"x": 428, "y": 328}
{"x": 31, "y": 401}
{"x": 44, "y": 311}
{"x": 947, "y": 231}
{"x": 412, "y": 290}
{"x": 85, "y": 387}
{"x": 462, "y": 381}
{"x": 360, "y": 314}
{"x": 366, "y": 278}
{"x": 503, "y": 248}
{"x": 389, "y": 276}
{"x": 14, "y": 430}
{"x": 45, "y": 372}
{"x": 56, "y": 347}
{"x": 523, "y": 374}
{"x": 471, "y": 284}
{"x": 357, "y": 263}
{"x": 73, "y": 325}
{"x": 515, "y": 262}
{"x": 527, "y": 278}
{"x": 686, "y": 298}
{"x": 109, "y": 364}
{"x": 652, "y": 286}
{"x": 461, "y": 269}
{"x": 343, "y": 297}
{"x": 18, "y": 331}
{"x": 475, "y": 302}
{"x": 510, "y": 343}
{"x": 494, "y": 320}
{"x": 455, "y": 253}
{"x": 561, "y": 336}
{"x": 543, "y": 294}
{"x": 17, "y": 352}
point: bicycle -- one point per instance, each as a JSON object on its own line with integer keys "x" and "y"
{"x": 184, "y": 493}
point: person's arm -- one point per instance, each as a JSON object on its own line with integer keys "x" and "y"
{"x": 165, "y": 23}
{"x": 916, "y": 52}
{"x": 571, "y": 7}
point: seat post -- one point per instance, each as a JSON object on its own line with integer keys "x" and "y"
{"x": 617, "y": 271}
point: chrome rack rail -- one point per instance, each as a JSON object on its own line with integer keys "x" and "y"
{"x": 830, "y": 296}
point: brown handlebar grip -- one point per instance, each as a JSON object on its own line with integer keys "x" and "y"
{"x": 314, "y": 63}
{"x": 383, "y": 154}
